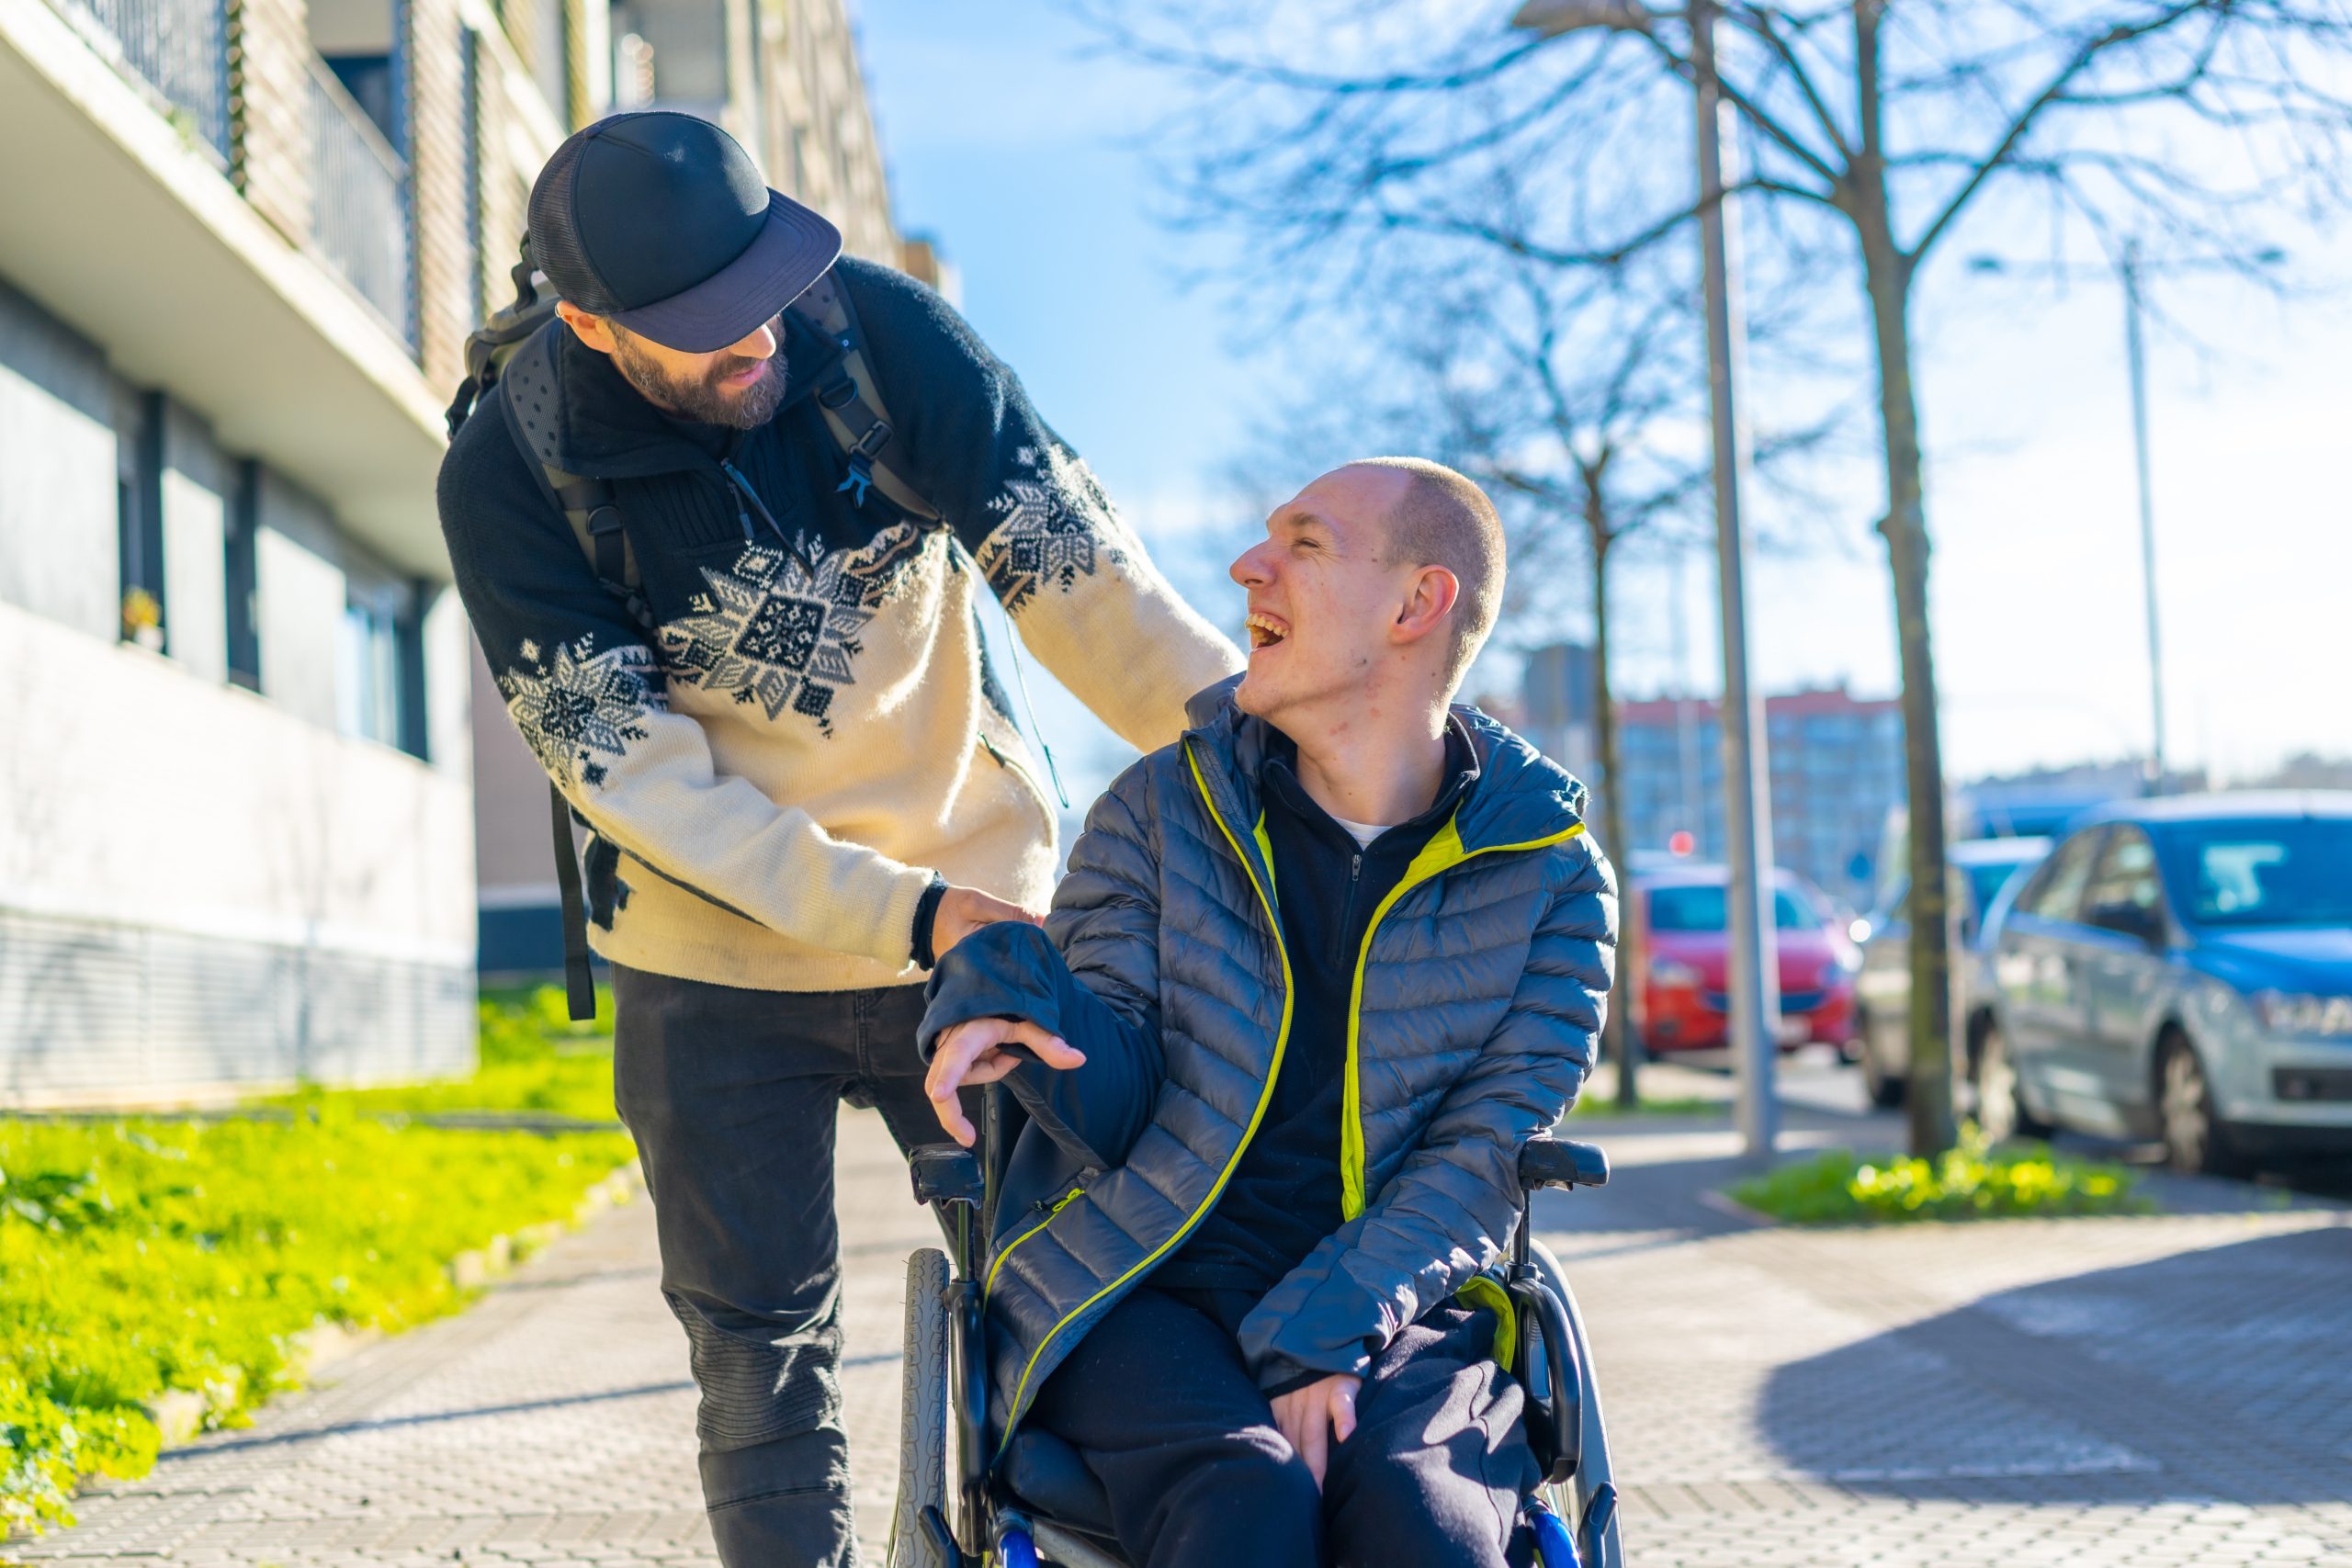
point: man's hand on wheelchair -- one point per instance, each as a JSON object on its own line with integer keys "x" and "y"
{"x": 1317, "y": 1419}
{"x": 982, "y": 1050}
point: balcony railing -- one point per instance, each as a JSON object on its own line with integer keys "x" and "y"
{"x": 178, "y": 48}
{"x": 360, "y": 194}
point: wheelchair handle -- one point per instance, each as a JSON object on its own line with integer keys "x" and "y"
{"x": 1559, "y": 1162}
{"x": 1555, "y": 1429}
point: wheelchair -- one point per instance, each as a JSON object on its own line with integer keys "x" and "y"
{"x": 1041, "y": 1504}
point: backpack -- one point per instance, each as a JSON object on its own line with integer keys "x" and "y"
{"x": 854, "y": 412}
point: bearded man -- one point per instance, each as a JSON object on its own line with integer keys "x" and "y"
{"x": 801, "y": 778}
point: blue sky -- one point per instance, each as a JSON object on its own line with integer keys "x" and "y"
{"x": 1017, "y": 148}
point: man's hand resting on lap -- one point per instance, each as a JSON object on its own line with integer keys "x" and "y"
{"x": 978, "y": 1052}
{"x": 1317, "y": 1419}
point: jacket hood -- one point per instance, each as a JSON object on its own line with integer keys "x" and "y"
{"x": 577, "y": 412}
{"x": 1521, "y": 795}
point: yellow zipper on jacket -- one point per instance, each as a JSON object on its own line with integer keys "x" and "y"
{"x": 1439, "y": 855}
{"x": 1059, "y": 1204}
{"x": 1281, "y": 1040}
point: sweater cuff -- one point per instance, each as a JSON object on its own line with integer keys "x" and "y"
{"x": 1008, "y": 969}
{"x": 926, "y": 917}
{"x": 1279, "y": 1377}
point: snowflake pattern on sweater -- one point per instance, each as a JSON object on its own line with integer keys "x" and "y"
{"x": 1053, "y": 522}
{"x": 580, "y": 705}
{"x": 770, "y": 631}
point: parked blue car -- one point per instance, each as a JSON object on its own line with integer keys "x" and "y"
{"x": 2181, "y": 968}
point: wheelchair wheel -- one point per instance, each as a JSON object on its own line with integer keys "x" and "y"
{"x": 1593, "y": 1516}
{"x": 923, "y": 1414}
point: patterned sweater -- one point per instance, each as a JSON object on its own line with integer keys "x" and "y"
{"x": 776, "y": 772}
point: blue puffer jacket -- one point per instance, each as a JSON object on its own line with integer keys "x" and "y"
{"x": 1478, "y": 994}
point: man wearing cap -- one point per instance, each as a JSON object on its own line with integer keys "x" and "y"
{"x": 801, "y": 776}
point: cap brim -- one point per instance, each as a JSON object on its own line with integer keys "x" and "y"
{"x": 791, "y": 251}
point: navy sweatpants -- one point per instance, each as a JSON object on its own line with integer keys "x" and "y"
{"x": 1158, "y": 1400}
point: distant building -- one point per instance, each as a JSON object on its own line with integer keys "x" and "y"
{"x": 1837, "y": 769}
{"x": 783, "y": 77}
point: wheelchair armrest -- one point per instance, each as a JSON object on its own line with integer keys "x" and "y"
{"x": 1558, "y": 1162}
{"x": 945, "y": 1174}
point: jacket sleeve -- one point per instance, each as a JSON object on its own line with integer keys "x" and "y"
{"x": 586, "y": 693}
{"x": 1447, "y": 1213}
{"x": 1084, "y": 596}
{"x": 1090, "y": 978}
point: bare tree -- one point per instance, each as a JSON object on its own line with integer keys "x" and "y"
{"x": 1328, "y": 130}
{"x": 1576, "y": 398}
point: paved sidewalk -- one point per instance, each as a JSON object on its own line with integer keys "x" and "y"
{"x": 2109, "y": 1392}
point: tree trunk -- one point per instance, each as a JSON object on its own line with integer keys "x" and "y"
{"x": 1621, "y": 1031}
{"x": 1904, "y": 525}
{"x": 1887, "y": 275}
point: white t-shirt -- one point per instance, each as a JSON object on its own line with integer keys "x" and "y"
{"x": 1363, "y": 833}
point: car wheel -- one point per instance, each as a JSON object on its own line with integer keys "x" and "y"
{"x": 1886, "y": 1088}
{"x": 2001, "y": 1113}
{"x": 2197, "y": 1141}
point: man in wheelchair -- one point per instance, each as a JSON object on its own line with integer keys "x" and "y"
{"x": 1317, "y": 975}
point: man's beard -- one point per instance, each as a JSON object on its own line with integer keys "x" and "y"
{"x": 703, "y": 400}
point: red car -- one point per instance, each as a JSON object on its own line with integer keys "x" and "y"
{"x": 1684, "y": 951}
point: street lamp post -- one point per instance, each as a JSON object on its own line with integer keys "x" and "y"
{"x": 2127, "y": 272}
{"x": 1748, "y": 816}
{"x": 2129, "y": 268}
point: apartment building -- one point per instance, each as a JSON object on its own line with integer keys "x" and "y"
{"x": 1837, "y": 769}
{"x": 240, "y": 244}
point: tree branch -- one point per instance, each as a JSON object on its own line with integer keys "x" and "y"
{"x": 2023, "y": 122}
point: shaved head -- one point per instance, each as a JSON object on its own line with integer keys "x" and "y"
{"x": 1441, "y": 518}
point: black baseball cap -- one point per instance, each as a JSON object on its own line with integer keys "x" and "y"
{"x": 661, "y": 222}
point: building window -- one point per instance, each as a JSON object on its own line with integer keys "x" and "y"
{"x": 380, "y": 664}
{"x": 139, "y": 515}
{"x": 367, "y": 682}
{"x": 409, "y": 654}
{"x": 242, "y": 578}
{"x": 469, "y": 89}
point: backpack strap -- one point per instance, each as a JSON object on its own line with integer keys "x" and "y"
{"x": 579, "y": 981}
{"x": 852, "y": 404}
{"x": 588, "y": 504}
{"x": 594, "y": 514}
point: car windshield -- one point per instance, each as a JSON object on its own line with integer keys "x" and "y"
{"x": 1699, "y": 908}
{"x": 1985, "y": 881}
{"x": 2289, "y": 871}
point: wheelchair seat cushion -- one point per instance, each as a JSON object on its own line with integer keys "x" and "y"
{"x": 1050, "y": 1476}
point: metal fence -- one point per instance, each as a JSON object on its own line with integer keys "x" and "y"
{"x": 179, "y": 48}
{"x": 360, "y": 196}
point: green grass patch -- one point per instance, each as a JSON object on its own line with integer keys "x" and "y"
{"x": 147, "y": 1256}
{"x": 1685, "y": 1105}
{"x": 534, "y": 1060}
{"x": 1971, "y": 1182}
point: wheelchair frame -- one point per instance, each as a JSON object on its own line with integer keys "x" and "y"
{"x": 945, "y": 1379}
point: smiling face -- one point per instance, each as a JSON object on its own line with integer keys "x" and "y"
{"x": 1331, "y": 614}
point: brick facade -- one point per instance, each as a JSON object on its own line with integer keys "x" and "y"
{"x": 445, "y": 289}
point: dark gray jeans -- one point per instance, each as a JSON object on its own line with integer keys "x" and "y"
{"x": 731, "y": 1095}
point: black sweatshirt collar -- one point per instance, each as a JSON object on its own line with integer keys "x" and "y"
{"x": 1278, "y": 778}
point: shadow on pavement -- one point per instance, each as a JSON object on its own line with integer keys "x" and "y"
{"x": 2215, "y": 1373}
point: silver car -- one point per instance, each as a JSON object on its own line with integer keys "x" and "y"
{"x": 1981, "y": 867}
{"x": 2182, "y": 968}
